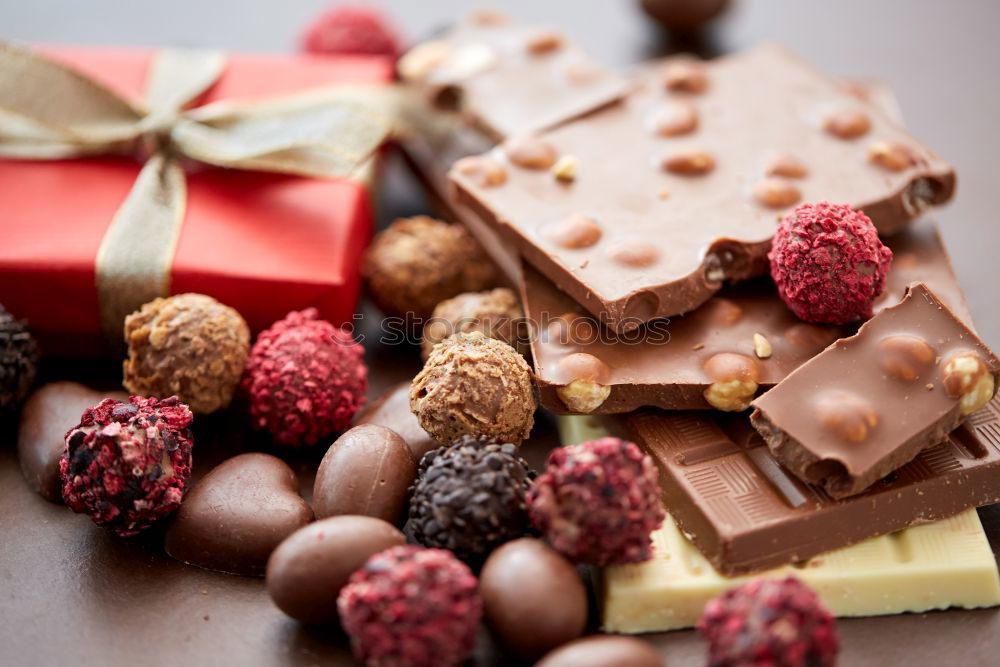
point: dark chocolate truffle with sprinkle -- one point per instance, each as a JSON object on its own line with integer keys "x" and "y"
{"x": 469, "y": 497}
{"x": 18, "y": 361}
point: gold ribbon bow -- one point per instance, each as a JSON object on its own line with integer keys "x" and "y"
{"x": 49, "y": 111}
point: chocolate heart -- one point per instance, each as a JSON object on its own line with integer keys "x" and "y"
{"x": 233, "y": 519}
{"x": 51, "y": 411}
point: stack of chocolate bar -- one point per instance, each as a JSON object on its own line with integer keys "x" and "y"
{"x": 635, "y": 215}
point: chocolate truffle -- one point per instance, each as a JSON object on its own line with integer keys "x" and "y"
{"x": 474, "y": 385}
{"x": 770, "y": 622}
{"x": 305, "y": 379}
{"x": 604, "y": 651}
{"x": 598, "y": 502}
{"x": 237, "y": 515}
{"x": 362, "y": 31}
{"x": 189, "y": 346}
{"x": 496, "y": 313}
{"x": 41, "y": 437}
{"x": 418, "y": 262}
{"x": 828, "y": 263}
{"x": 470, "y": 497}
{"x": 126, "y": 465}
{"x": 307, "y": 571}
{"x": 367, "y": 471}
{"x": 533, "y": 598}
{"x": 18, "y": 361}
{"x": 411, "y": 606}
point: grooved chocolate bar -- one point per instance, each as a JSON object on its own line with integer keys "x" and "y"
{"x": 644, "y": 209}
{"x": 871, "y": 402}
{"x": 745, "y": 513}
{"x": 667, "y": 364}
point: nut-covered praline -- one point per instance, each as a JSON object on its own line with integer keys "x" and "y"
{"x": 770, "y": 622}
{"x": 598, "y": 502}
{"x": 419, "y": 262}
{"x": 474, "y": 385}
{"x": 126, "y": 465}
{"x": 469, "y": 497}
{"x": 495, "y": 313}
{"x": 411, "y": 606}
{"x": 189, "y": 346}
{"x": 18, "y": 361}
{"x": 305, "y": 379}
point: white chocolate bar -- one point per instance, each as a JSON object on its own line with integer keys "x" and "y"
{"x": 944, "y": 564}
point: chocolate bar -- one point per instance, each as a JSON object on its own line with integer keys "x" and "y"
{"x": 667, "y": 364}
{"x": 745, "y": 513}
{"x": 871, "y": 402}
{"x": 505, "y": 79}
{"x": 651, "y": 204}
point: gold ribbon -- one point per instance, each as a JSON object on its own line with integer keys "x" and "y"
{"x": 49, "y": 111}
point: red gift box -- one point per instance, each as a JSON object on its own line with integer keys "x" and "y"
{"x": 261, "y": 243}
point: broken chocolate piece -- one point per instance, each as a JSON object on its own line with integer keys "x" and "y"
{"x": 745, "y": 513}
{"x": 870, "y": 403}
{"x": 716, "y": 224}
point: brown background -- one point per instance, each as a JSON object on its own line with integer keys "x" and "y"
{"x": 70, "y": 593}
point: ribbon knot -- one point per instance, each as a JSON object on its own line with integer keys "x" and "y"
{"x": 50, "y": 111}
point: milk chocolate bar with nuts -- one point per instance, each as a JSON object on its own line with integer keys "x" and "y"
{"x": 870, "y": 403}
{"x": 745, "y": 513}
{"x": 742, "y": 341}
{"x": 645, "y": 208}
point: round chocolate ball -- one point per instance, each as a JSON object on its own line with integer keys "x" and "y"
{"x": 470, "y": 497}
{"x": 474, "y": 385}
{"x": 495, "y": 313}
{"x": 306, "y": 572}
{"x": 533, "y": 598}
{"x": 418, "y": 262}
{"x": 367, "y": 471}
{"x": 684, "y": 15}
{"x": 189, "y": 346}
{"x": 604, "y": 651}
{"x": 18, "y": 361}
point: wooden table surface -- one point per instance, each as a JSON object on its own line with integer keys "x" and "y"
{"x": 72, "y": 594}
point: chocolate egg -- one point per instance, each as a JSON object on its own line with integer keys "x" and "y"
{"x": 392, "y": 410}
{"x": 306, "y": 572}
{"x": 533, "y": 598}
{"x": 237, "y": 515}
{"x": 45, "y": 418}
{"x": 367, "y": 471}
{"x": 604, "y": 651}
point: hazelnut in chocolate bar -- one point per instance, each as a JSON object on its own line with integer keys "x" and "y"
{"x": 742, "y": 341}
{"x": 870, "y": 403}
{"x": 645, "y": 208}
{"x": 745, "y": 513}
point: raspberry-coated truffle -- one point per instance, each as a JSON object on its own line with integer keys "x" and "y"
{"x": 189, "y": 346}
{"x": 474, "y": 385}
{"x": 418, "y": 262}
{"x": 772, "y": 623}
{"x": 351, "y": 31}
{"x": 411, "y": 607}
{"x": 496, "y": 313}
{"x": 18, "y": 361}
{"x": 470, "y": 497}
{"x": 126, "y": 465}
{"x": 305, "y": 379}
{"x": 828, "y": 263}
{"x": 598, "y": 502}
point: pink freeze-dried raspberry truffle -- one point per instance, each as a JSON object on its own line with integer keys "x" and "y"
{"x": 598, "y": 502}
{"x": 413, "y": 607}
{"x": 828, "y": 263}
{"x": 305, "y": 379}
{"x": 351, "y": 31}
{"x": 126, "y": 464}
{"x": 772, "y": 623}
